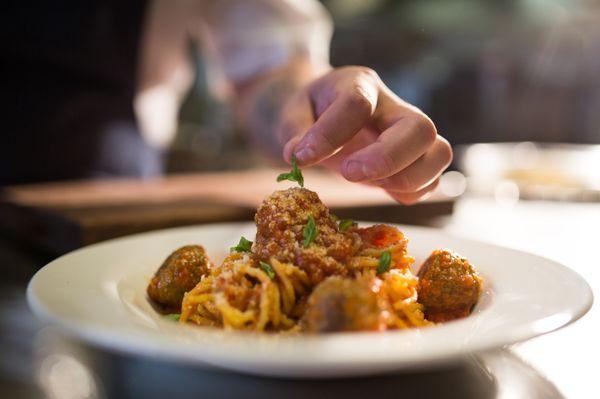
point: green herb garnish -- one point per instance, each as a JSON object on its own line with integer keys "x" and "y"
{"x": 345, "y": 224}
{"x": 244, "y": 245}
{"x": 384, "y": 262}
{"x": 268, "y": 270}
{"x": 172, "y": 316}
{"x": 309, "y": 232}
{"x": 294, "y": 175}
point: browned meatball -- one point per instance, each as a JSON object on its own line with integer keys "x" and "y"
{"x": 343, "y": 304}
{"x": 449, "y": 286}
{"x": 179, "y": 273}
{"x": 280, "y": 221}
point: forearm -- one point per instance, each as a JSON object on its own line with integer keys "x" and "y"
{"x": 258, "y": 102}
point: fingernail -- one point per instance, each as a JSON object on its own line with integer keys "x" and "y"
{"x": 305, "y": 154}
{"x": 356, "y": 171}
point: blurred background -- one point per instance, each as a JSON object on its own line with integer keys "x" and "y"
{"x": 484, "y": 70}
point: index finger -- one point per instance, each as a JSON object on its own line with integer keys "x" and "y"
{"x": 346, "y": 115}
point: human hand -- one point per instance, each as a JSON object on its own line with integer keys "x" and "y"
{"x": 349, "y": 121}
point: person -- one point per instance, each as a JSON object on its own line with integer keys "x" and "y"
{"x": 93, "y": 89}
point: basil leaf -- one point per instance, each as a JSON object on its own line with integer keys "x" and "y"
{"x": 268, "y": 270}
{"x": 309, "y": 232}
{"x": 286, "y": 176}
{"x": 294, "y": 175}
{"x": 384, "y": 262}
{"x": 172, "y": 316}
{"x": 244, "y": 245}
{"x": 345, "y": 224}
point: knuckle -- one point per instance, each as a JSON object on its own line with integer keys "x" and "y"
{"x": 359, "y": 100}
{"x": 368, "y": 72}
{"x": 356, "y": 70}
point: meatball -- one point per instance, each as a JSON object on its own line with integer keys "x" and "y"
{"x": 179, "y": 273}
{"x": 343, "y": 304}
{"x": 280, "y": 221}
{"x": 449, "y": 286}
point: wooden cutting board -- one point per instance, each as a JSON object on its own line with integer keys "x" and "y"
{"x": 63, "y": 216}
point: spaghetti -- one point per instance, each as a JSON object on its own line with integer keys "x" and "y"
{"x": 307, "y": 272}
{"x": 240, "y": 296}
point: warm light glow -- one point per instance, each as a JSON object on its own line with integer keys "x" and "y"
{"x": 484, "y": 160}
{"x": 506, "y": 192}
{"x": 525, "y": 155}
{"x": 453, "y": 184}
{"x": 156, "y": 111}
{"x": 64, "y": 377}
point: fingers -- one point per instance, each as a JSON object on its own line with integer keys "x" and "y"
{"x": 362, "y": 139}
{"x": 338, "y": 124}
{"x": 396, "y": 148}
{"x": 340, "y": 121}
{"x": 365, "y": 132}
{"x": 421, "y": 172}
{"x": 413, "y": 198}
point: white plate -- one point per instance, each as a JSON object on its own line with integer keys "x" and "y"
{"x": 98, "y": 293}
